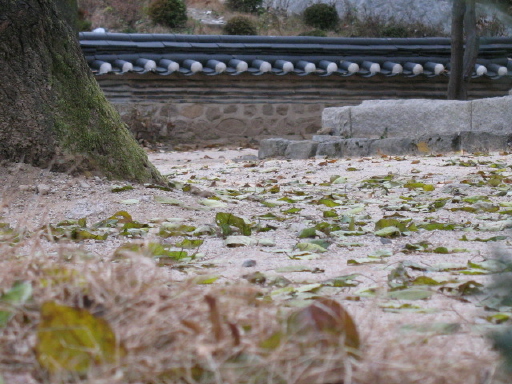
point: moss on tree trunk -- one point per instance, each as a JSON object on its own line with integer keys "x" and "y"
{"x": 52, "y": 111}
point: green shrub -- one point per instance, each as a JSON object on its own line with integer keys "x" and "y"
{"x": 321, "y": 16}
{"x": 250, "y": 6}
{"x": 240, "y": 25}
{"x": 170, "y": 13}
{"x": 83, "y": 23}
{"x": 394, "y": 31}
{"x": 314, "y": 32}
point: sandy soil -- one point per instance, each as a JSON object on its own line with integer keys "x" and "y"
{"x": 235, "y": 181}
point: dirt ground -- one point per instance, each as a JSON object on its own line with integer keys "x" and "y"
{"x": 316, "y": 230}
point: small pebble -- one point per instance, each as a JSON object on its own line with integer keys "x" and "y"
{"x": 383, "y": 240}
{"x": 249, "y": 263}
{"x": 43, "y": 189}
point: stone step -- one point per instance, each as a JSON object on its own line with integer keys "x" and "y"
{"x": 325, "y": 146}
{"x": 380, "y": 119}
{"x": 404, "y": 127}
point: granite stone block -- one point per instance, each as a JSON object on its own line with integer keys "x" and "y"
{"x": 303, "y": 149}
{"x": 275, "y": 147}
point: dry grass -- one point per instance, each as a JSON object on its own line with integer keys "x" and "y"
{"x": 172, "y": 335}
{"x": 169, "y": 329}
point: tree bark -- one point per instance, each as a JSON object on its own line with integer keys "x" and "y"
{"x": 472, "y": 41}
{"x": 463, "y": 56}
{"x": 457, "y": 50}
{"x": 52, "y": 112}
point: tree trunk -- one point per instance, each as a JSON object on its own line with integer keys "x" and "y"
{"x": 455, "y": 83}
{"x": 463, "y": 56}
{"x": 52, "y": 111}
{"x": 472, "y": 41}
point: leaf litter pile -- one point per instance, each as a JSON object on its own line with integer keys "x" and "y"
{"x": 373, "y": 270}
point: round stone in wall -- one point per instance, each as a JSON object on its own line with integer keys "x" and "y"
{"x": 231, "y": 126}
{"x": 213, "y": 113}
{"x": 250, "y": 110}
{"x": 192, "y": 111}
{"x": 230, "y": 109}
{"x": 267, "y": 109}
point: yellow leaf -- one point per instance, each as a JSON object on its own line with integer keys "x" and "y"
{"x": 423, "y": 147}
{"x": 74, "y": 340}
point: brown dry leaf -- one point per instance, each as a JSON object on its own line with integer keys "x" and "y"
{"x": 325, "y": 318}
{"x": 215, "y": 318}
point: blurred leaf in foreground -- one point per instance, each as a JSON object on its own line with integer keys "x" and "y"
{"x": 326, "y": 321}
{"x": 72, "y": 339}
{"x": 20, "y": 292}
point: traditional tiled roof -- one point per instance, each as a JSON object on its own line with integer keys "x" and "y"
{"x": 166, "y": 54}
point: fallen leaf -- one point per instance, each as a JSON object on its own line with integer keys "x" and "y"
{"x": 118, "y": 189}
{"x": 227, "y": 220}
{"x": 423, "y": 148}
{"x": 343, "y": 281}
{"x": 189, "y": 243}
{"x": 419, "y": 185}
{"x": 410, "y": 294}
{"x": 388, "y": 232}
{"x": 328, "y": 203}
{"x": 72, "y": 339}
{"x": 211, "y": 203}
{"x": 365, "y": 260}
{"x": 299, "y": 268}
{"x": 203, "y": 280}
{"x": 19, "y": 293}
{"x": 310, "y": 247}
{"x": 405, "y": 308}
{"x": 168, "y": 200}
{"x": 325, "y": 321}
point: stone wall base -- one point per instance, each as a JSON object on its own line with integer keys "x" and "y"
{"x": 230, "y": 109}
{"x": 175, "y": 123}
